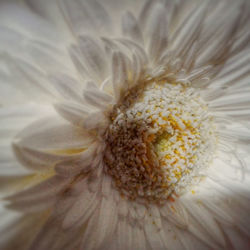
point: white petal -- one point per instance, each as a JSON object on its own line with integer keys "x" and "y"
{"x": 124, "y": 235}
{"x": 22, "y": 19}
{"x": 104, "y": 225}
{"x": 76, "y": 58}
{"x": 219, "y": 46}
{"x": 138, "y": 238}
{"x": 106, "y": 186}
{"x": 93, "y": 58}
{"x": 67, "y": 87}
{"x": 37, "y": 159}
{"x": 81, "y": 209}
{"x": 84, "y": 162}
{"x": 96, "y": 120}
{"x": 169, "y": 235}
{"x": 153, "y": 234}
{"x": 189, "y": 29}
{"x": 75, "y": 114}
{"x": 28, "y": 80}
{"x": 12, "y": 120}
{"x": 176, "y": 213}
{"x": 34, "y": 205}
{"x": 158, "y": 31}
{"x": 237, "y": 99}
{"x": 131, "y": 28}
{"x": 47, "y": 188}
{"x": 54, "y": 134}
{"x": 119, "y": 74}
{"x": 203, "y": 225}
{"x": 135, "y": 48}
{"x": 188, "y": 241}
{"x": 47, "y": 235}
{"x": 123, "y": 208}
{"x": 86, "y": 16}
{"x": 145, "y": 12}
{"x": 96, "y": 97}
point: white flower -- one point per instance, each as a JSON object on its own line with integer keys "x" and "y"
{"x": 124, "y": 125}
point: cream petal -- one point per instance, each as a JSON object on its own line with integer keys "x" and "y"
{"x": 120, "y": 67}
{"x": 232, "y": 100}
{"x": 48, "y": 57}
{"x": 124, "y": 235}
{"x": 130, "y": 27}
{"x": 9, "y": 164}
{"x": 242, "y": 41}
{"x": 236, "y": 239}
{"x": 54, "y": 134}
{"x": 50, "y": 10}
{"x": 188, "y": 31}
{"x": 138, "y": 69}
{"x": 199, "y": 73}
{"x": 243, "y": 115}
{"x": 26, "y": 227}
{"x": 75, "y": 114}
{"x": 81, "y": 209}
{"x": 84, "y": 162}
{"x": 100, "y": 16}
{"x": 48, "y": 188}
{"x": 105, "y": 224}
{"x": 176, "y": 213}
{"x": 67, "y": 87}
{"x": 93, "y": 57}
{"x": 97, "y": 98}
{"x": 12, "y": 120}
{"x": 36, "y": 159}
{"x": 209, "y": 94}
{"x": 140, "y": 210}
{"x": 106, "y": 186}
{"x": 96, "y": 121}
{"x": 188, "y": 241}
{"x": 7, "y": 219}
{"x": 232, "y": 78}
{"x": 218, "y": 212}
{"x": 153, "y": 234}
{"x": 156, "y": 216}
{"x": 138, "y": 238}
{"x": 203, "y": 225}
{"x": 47, "y": 235}
{"x": 11, "y": 41}
{"x": 218, "y": 48}
{"x": 109, "y": 46}
{"x": 123, "y": 208}
{"x": 20, "y": 18}
{"x": 170, "y": 237}
{"x": 28, "y": 80}
{"x": 240, "y": 135}
{"x": 235, "y": 63}
{"x": 76, "y": 58}
{"x": 145, "y": 12}
{"x": 34, "y": 205}
{"x": 86, "y": 16}
{"x": 237, "y": 199}
{"x": 158, "y": 31}
{"x": 76, "y": 16}
{"x": 100, "y": 92}
{"x": 136, "y": 48}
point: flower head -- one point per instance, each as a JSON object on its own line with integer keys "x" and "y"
{"x": 125, "y": 124}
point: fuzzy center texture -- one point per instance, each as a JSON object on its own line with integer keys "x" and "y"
{"x": 159, "y": 138}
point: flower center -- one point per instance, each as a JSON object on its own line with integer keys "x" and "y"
{"x": 159, "y": 138}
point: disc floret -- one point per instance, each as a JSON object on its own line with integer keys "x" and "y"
{"x": 159, "y": 139}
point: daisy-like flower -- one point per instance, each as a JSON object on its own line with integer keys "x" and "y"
{"x": 124, "y": 124}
